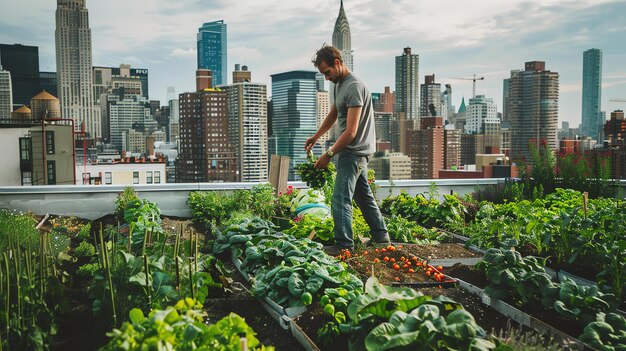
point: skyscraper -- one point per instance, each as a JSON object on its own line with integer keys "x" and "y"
{"x": 74, "y": 65}
{"x": 592, "y": 120}
{"x": 6, "y": 94}
{"x": 533, "y": 109}
{"x": 205, "y": 153}
{"x": 48, "y": 82}
{"x": 481, "y": 112}
{"x": 212, "y": 46}
{"x": 386, "y": 101}
{"x": 341, "y": 37}
{"x": 343, "y": 42}
{"x": 505, "y": 100}
{"x": 430, "y": 93}
{"x": 427, "y": 148}
{"x": 323, "y": 107}
{"x": 294, "y": 118}
{"x": 446, "y": 100}
{"x": 247, "y": 128}
{"x": 23, "y": 63}
{"x": 407, "y": 85}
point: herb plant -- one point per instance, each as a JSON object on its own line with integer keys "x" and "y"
{"x": 315, "y": 178}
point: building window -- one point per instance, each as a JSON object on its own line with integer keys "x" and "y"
{"x": 27, "y": 178}
{"x": 157, "y": 177}
{"x": 52, "y": 172}
{"x": 49, "y": 142}
{"x": 25, "y": 149}
{"x": 148, "y": 177}
{"x": 135, "y": 177}
{"x": 107, "y": 178}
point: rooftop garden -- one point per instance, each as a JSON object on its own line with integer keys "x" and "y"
{"x": 529, "y": 265}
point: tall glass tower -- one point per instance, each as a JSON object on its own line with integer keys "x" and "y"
{"x": 212, "y": 48}
{"x": 533, "y": 109}
{"x": 592, "y": 119}
{"x": 23, "y": 63}
{"x": 294, "y": 104}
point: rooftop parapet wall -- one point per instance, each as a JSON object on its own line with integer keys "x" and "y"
{"x": 92, "y": 202}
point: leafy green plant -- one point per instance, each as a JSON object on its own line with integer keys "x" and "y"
{"x": 303, "y": 226}
{"x": 511, "y": 276}
{"x": 579, "y": 302}
{"x": 360, "y": 228}
{"x": 31, "y": 292}
{"x": 427, "y": 212}
{"x": 84, "y": 249}
{"x": 315, "y": 178}
{"x": 16, "y": 227}
{"x": 402, "y": 230}
{"x": 181, "y": 327}
{"x": 371, "y": 180}
{"x": 523, "y": 280}
{"x": 263, "y": 200}
{"x": 144, "y": 219}
{"x": 607, "y": 332}
{"x": 121, "y": 202}
{"x": 87, "y": 270}
{"x": 207, "y": 207}
{"x": 388, "y": 318}
{"x": 284, "y": 200}
{"x": 84, "y": 233}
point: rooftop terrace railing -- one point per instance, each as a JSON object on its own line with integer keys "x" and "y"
{"x": 94, "y": 201}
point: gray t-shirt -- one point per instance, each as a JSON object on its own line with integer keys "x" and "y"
{"x": 352, "y": 92}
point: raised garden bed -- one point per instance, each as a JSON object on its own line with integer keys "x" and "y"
{"x": 396, "y": 265}
{"x": 534, "y": 316}
{"x": 266, "y": 328}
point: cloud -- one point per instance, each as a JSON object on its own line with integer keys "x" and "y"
{"x": 569, "y": 88}
{"x": 178, "y": 52}
{"x": 612, "y": 84}
{"x": 453, "y": 38}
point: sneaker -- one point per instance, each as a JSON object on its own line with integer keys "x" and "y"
{"x": 336, "y": 250}
{"x": 370, "y": 242}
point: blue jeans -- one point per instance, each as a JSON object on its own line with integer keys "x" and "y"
{"x": 351, "y": 183}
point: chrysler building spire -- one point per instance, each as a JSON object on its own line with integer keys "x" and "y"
{"x": 341, "y": 37}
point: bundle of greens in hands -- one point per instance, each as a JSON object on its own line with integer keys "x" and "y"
{"x": 315, "y": 178}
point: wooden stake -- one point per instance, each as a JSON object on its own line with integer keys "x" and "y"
{"x": 585, "y": 198}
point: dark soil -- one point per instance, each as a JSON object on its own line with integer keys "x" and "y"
{"x": 390, "y": 266}
{"x": 468, "y": 274}
{"x": 535, "y": 309}
{"x": 587, "y": 271}
{"x": 80, "y": 330}
{"x": 312, "y": 320}
{"x": 267, "y": 329}
{"x": 440, "y": 251}
{"x": 491, "y": 320}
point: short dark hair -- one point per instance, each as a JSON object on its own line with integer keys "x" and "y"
{"x": 327, "y": 54}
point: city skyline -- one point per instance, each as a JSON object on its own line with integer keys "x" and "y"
{"x": 453, "y": 39}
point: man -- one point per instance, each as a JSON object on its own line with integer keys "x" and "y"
{"x": 354, "y": 112}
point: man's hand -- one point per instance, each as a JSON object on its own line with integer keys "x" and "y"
{"x": 323, "y": 161}
{"x": 310, "y": 142}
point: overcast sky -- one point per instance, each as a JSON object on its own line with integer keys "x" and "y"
{"x": 453, "y": 39}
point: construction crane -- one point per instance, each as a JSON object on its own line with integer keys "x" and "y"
{"x": 473, "y": 79}
{"x": 617, "y": 100}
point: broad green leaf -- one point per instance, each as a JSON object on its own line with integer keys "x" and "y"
{"x": 136, "y": 316}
